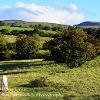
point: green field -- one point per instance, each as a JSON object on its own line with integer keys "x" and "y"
{"x": 82, "y": 83}
{"x": 15, "y": 28}
{"x": 12, "y": 39}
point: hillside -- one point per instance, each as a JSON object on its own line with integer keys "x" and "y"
{"x": 28, "y": 24}
{"x": 89, "y": 23}
{"x": 12, "y": 21}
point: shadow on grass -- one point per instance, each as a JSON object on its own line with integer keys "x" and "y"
{"x": 49, "y": 87}
{"x": 17, "y": 72}
{"x": 31, "y": 88}
{"x": 72, "y": 97}
{"x": 38, "y": 82}
{"x": 14, "y": 65}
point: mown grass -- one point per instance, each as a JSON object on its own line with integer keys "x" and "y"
{"x": 82, "y": 83}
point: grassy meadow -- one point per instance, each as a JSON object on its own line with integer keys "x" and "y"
{"x": 82, "y": 83}
{"x": 15, "y": 28}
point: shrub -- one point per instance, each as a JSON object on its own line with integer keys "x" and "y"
{"x": 40, "y": 82}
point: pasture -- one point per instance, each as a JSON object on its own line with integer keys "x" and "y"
{"x": 82, "y": 83}
{"x": 15, "y": 28}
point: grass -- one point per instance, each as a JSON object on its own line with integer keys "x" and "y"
{"x": 15, "y": 28}
{"x": 82, "y": 83}
{"x": 12, "y": 39}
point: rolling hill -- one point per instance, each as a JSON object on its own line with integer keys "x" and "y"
{"x": 22, "y": 23}
{"x": 89, "y": 23}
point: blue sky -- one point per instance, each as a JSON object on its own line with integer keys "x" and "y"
{"x": 82, "y": 9}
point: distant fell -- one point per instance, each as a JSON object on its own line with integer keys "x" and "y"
{"x": 12, "y": 21}
{"x": 22, "y": 23}
{"x": 89, "y": 23}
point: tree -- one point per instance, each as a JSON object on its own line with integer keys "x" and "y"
{"x": 54, "y": 28}
{"x": 25, "y": 47}
{"x": 47, "y": 28}
{"x": 71, "y": 47}
{"x": 2, "y": 23}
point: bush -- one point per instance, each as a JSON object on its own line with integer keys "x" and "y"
{"x": 40, "y": 82}
{"x": 72, "y": 48}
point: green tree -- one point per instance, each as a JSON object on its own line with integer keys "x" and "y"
{"x": 71, "y": 47}
{"x": 2, "y": 23}
{"x": 25, "y": 47}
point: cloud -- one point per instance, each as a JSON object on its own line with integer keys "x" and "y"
{"x": 73, "y": 8}
{"x": 2, "y": 7}
{"x": 48, "y": 13}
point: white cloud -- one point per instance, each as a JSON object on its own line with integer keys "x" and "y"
{"x": 2, "y": 7}
{"x": 73, "y": 8}
{"x": 38, "y": 13}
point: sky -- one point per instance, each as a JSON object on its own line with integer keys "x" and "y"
{"x": 68, "y": 12}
